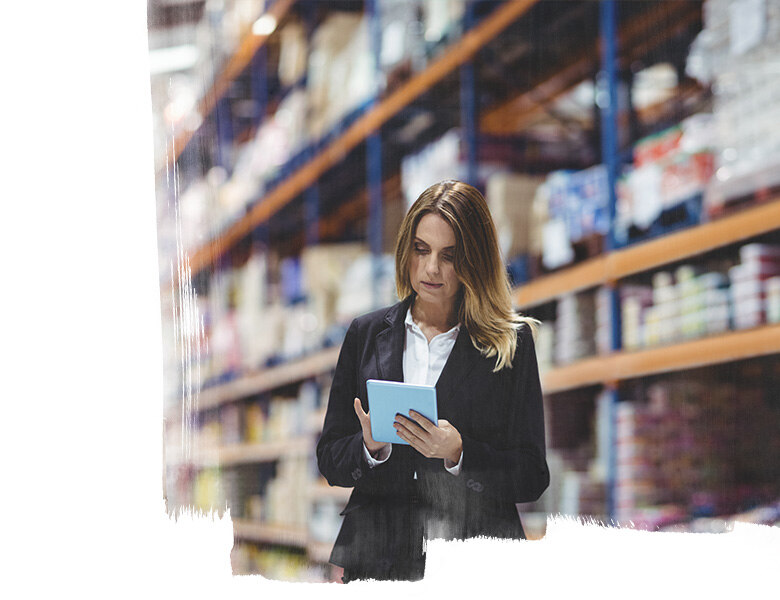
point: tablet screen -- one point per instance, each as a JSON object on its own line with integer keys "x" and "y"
{"x": 387, "y": 398}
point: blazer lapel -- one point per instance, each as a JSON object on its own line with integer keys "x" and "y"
{"x": 459, "y": 364}
{"x": 390, "y": 343}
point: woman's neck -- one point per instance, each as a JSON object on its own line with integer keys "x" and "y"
{"x": 439, "y": 317}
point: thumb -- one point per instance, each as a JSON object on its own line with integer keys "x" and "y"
{"x": 359, "y": 410}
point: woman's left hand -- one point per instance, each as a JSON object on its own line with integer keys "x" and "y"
{"x": 442, "y": 441}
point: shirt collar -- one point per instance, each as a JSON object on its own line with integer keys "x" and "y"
{"x": 410, "y": 323}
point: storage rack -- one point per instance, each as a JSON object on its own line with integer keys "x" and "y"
{"x": 306, "y": 182}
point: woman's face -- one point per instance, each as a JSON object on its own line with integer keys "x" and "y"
{"x": 432, "y": 272}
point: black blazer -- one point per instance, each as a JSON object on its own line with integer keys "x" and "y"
{"x": 500, "y": 419}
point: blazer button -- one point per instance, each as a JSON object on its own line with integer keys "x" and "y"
{"x": 356, "y": 474}
{"x": 474, "y": 485}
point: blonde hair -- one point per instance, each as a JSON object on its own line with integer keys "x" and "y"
{"x": 484, "y": 303}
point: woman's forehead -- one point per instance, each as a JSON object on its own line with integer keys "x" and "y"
{"x": 433, "y": 228}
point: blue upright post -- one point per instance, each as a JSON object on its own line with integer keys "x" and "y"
{"x": 224, "y": 133}
{"x": 468, "y": 104}
{"x": 608, "y": 103}
{"x": 311, "y": 212}
{"x": 259, "y": 83}
{"x": 374, "y": 157}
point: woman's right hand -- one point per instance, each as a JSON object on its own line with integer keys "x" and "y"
{"x": 365, "y": 423}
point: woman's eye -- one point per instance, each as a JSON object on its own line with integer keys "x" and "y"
{"x": 419, "y": 249}
{"x": 448, "y": 257}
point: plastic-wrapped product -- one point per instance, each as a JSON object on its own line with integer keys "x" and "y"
{"x": 772, "y": 286}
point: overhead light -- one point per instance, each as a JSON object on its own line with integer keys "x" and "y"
{"x": 265, "y": 25}
{"x": 175, "y": 58}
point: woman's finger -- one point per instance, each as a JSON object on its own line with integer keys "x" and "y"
{"x": 422, "y": 421}
{"x": 413, "y": 441}
{"x": 409, "y": 432}
{"x": 412, "y": 425}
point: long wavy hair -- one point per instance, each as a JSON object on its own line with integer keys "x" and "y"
{"x": 484, "y": 303}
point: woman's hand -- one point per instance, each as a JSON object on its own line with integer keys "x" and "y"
{"x": 429, "y": 440}
{"x": 365, "y": 423}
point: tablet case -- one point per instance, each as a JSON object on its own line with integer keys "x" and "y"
{"x": 386, "y": 398}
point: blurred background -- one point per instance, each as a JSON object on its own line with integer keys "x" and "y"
{"x": 630, "y": 155}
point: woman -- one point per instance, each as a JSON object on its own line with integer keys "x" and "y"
{"x": 454, "y": 328}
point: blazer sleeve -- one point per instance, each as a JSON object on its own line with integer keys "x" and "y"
{"x": 514, "y": 468}
{"x": 340, "y": 456}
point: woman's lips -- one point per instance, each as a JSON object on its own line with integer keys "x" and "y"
{"x": 432, "y": 285}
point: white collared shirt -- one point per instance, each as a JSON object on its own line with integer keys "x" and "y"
{"x": 423, "y": 363}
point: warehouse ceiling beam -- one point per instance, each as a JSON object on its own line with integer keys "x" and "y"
{"x": 516, "y": 114}
{"x": 460, "y": 52}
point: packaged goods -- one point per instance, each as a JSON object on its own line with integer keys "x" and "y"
{"x": 574, "y": 327}
{"x": 580, "y": 199}
{"x": 437, "y": 161}
{"x": 510, "y": 197}
{"x": 403, "y": 37}
{"x": 759, "y": 252}
{"x": 736, "y": 54}
{"x": 292, "y": 53}
{"x": 772, "y": 286}
{"x": 670, "y": 168}
{"x": 340, "y": 70}
{"x": 441, "y": 19}
{"x": 603, "y": 321}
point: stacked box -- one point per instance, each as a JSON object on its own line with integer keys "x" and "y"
{"x": 736, "y": 53}
{"x": 293, "y": 50}
{"x": 340, "y": 70}
{"x": 323, "y": 269}
{"x": 355, "y": 294}
{"x": 669, "y": 167}
{"x": 691, "y": 299}
{"x": 403, "y": 39}
{"x": 510, "y": 198}
{"x": 441, "y": 19}
{"x": 634, "y": 474}
{"x": 758, "y": 263}
{"x": 603, "y": 321}
{"x": 662, "y": 318}
{"x": 251, "y": 297}
{"x": 574, "y": 327}
{"x": 436, "y": 162}
{"x": 772, "y": 289}
{"x": 634, "y": 301}
{"x": 581, "y": 200}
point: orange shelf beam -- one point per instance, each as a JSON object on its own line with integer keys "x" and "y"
{"x": 269, "y": 379}
{"x": 579, "y": 277}
{"x": 728, "y": 347}
{"x": 713, "y": 350}
{"x": 237, "y": 454}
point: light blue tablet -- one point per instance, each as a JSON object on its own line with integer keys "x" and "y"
{"x": 386, "y": 398}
